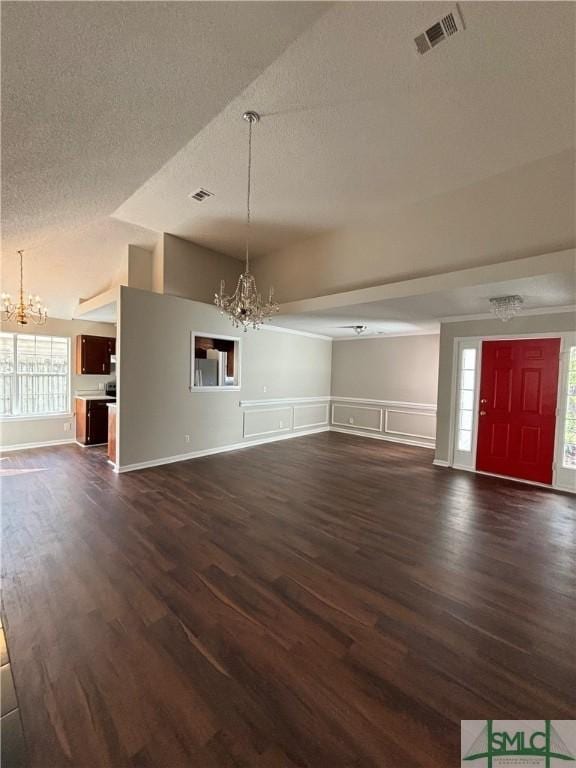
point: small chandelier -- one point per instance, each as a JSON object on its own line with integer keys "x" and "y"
{"x": 246, "y": 307}
{"x": 21, "y": 311}
{"x": 506, "y": 307}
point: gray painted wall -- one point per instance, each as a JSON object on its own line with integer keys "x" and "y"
{"x": 21, "y": 431}
{"x": 403, "y": 368}
{"x": 402, "y": 372}
{"x": 194, "y": 272}
{"x": 523, "y": 324}
{"x": 157, "y": 408}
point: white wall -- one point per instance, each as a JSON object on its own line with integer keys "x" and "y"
{"x": 522, "y": 324}
{"x": 386, "y": 387}
{"x": 29, "y": 431}
{"x": 157, "y": 408}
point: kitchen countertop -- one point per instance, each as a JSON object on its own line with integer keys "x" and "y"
{"x": 95, "y": 397}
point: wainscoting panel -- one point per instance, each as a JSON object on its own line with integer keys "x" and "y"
{"x": 267, "y": 421}
{"x": 410, "y": 423}
{"x": 307, "y": 416}
{"x": 406, "y": 422}
{"x": 357, "y": 416}
{"x": 395, "y": 420}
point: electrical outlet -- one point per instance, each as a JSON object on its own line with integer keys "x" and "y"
{"x": 350, "y": 420}
{"x": 281, "y": 424}
{"x": 67, "y": 426}
{"x": 101, "y": 386}
{"x": 264, "y": 389}
{"x": 186, "y": 438}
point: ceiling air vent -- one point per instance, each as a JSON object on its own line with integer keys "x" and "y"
{"x": 446, "y": 27}
{"x": 200, "y": 195}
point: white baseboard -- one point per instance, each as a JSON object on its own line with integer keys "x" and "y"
{"x": 388, "y": 438}
{"x": 212, "y": 451}
{"x": 45, "y": 444}
{"x": 89, "y": 445}
{"x": 441, "y": 463}
{"x": 564, "y": 488}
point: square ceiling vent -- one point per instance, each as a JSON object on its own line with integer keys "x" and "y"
{"x": 444, "y": 28}
{"x": 200, "y": 195}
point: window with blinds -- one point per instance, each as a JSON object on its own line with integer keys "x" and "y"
{"x": 34, "y": 374}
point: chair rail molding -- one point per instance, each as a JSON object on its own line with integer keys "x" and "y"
{"x": 385, "y": 403}
{"x": 282, "y": 401}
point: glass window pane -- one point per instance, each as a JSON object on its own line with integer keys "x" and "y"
{"x": 464, "y": 440}
{"x": 569, "y": 458}
{"x": 466, "y": 420}
{"x": 467, "y": 380}
{"x": 6, "y": 374}
{"x": 570, "y": 455}
{"x": 468, "y": 359}
{"x": 466, "y": 397}
{"x": 6, "y": 352}
{"x": 466, "y": 400}
{"x": 43, "y": 374}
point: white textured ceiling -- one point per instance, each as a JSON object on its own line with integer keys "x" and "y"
{"x": 422, "y": 313}
{"x": 96, "y": 97}
{"x": 356, "y": 124}
{"x": 125, "y": 108}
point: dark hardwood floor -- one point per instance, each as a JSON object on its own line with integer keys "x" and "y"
{"x": 325, "y": 601}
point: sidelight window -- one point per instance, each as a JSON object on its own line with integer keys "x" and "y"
{"x": 569, "y": 454}
{"x": 466, "y": 398}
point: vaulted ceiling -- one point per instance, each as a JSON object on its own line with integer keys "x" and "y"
{"x": 115, "y": 112}
{"x": 356, "y": 124}
{"x": 96, "y": 97}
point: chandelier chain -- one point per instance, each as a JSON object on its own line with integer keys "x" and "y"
{"x": 245, "y": 306}
{"x": 248, "y": 212}
{"x": 21, "y": 254}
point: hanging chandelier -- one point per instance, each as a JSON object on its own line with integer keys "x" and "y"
{"x": 506, "y": 307}
{"x": 246, "y": 307}
{"x": 23, "y": 311}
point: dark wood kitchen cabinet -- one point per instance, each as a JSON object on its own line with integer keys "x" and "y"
{"x": 91, "y": 421}
{"x": 93, "y": 354}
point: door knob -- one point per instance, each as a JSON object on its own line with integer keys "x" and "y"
{"x": 482, "y": 413}
{"x": 483, "y": 400}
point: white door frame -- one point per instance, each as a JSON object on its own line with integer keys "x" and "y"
{"x": 563, "y": 478}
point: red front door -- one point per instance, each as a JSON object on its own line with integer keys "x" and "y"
{"x": 517, "y": 413}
